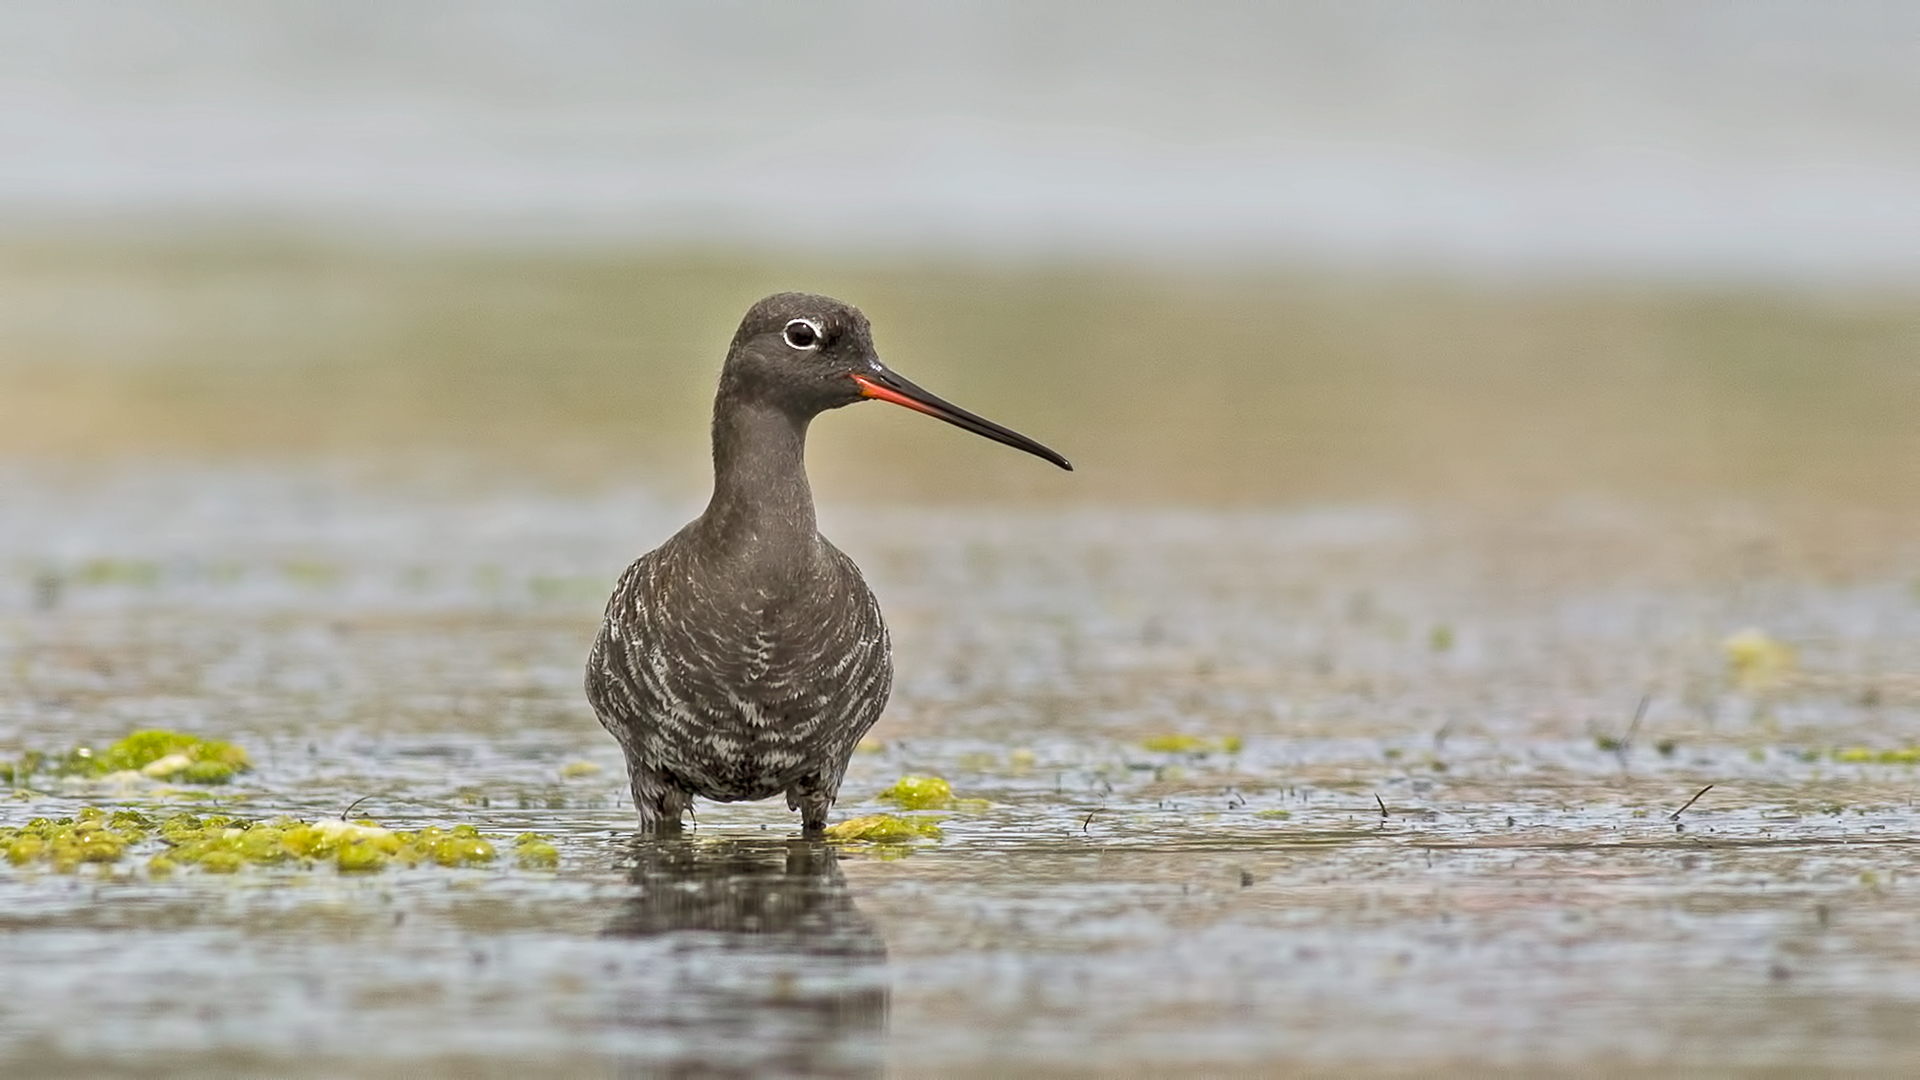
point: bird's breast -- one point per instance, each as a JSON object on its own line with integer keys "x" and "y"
{"x": 739, "y": 682}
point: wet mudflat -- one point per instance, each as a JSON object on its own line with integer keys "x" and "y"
{"x": 1357, "y": 788}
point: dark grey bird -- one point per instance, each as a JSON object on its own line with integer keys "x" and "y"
{"x": 745, "y": 657}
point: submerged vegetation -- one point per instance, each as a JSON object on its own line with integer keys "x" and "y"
{"x": 884, "y": 829}
{"x": 1190, "y": 744}
{"x": 219, "y": 844}
{"x": 156, "y": 754}
{"x": 928, "y": 793}
{"x": 1861, "y": 755}
{"x": 910, "y": 793}
{"x": 919, "y": 793}
{"x": 1756, "y": 661}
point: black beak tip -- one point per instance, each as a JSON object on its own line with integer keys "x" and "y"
{"x": 888, "y": 385}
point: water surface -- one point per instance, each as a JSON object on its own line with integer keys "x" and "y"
{"x": 1416, "y": 826}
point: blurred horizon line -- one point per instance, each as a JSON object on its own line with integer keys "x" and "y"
{"x": 399, "y": 231}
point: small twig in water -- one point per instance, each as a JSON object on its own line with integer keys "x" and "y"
{"x": 1085, "y": 824}
{"x": 352, "y": 805}
{"x": 1383, "y": 805}
{"x": 1675, "y": 816}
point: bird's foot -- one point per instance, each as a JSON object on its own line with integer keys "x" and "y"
{"x": 813, "y": 807}
{"x": 661, "y": 826}
{"x": 661, "y": 808}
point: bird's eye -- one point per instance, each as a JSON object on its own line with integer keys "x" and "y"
{"x": 803, "y": 334}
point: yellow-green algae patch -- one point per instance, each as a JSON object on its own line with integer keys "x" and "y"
{"x": 1190, "y": 744}
{"x": 927, "y": 793}
{"x": 223, "y": 845}
{"x": 534, "y": 852}
{"x": 1861, "y": 755}
{"x": 155, "y": 753}
{"x": 1756, "y": 661}
{"x": 919, "y": 793}
{"x": 884, "y": 829}
{"x": 91, "y": 836}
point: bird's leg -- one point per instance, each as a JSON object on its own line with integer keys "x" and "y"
{"x": 813, "y": 805}
{"x": 660, "y": 802}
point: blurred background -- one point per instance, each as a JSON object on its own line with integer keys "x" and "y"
{"x": 1279, "y": 253}
{"x": 1442, "y": 379}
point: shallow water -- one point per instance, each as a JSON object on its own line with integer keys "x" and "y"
{"x": 1407, "y": 836}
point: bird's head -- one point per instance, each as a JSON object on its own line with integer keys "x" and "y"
{"x": 806, "y": 354}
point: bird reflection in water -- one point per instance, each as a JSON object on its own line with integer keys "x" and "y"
{"x": 765, "y": 966}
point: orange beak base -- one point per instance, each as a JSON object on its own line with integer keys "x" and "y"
{"x": 884, "y": 385}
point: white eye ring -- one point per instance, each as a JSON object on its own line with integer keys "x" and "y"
{"x": 803, "y": 334}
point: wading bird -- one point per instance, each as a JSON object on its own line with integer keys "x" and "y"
{"x": 745, "y": 657}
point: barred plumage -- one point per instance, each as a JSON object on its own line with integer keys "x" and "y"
{"x": 745, "y": 657}
{"x": 733, "y": 694}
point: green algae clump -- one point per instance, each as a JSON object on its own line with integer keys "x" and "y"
{"x": 883, "y": 829}
{"x": 364, "y": 845}
{"x": 154, "y": 753}
{"x": 218, "y": 844}
{"x": 361, "y": 854}
{"x": 1756, "y": 661}
{"x": 1190, "y": 744}
{"x": 91, "y": 836}
{"x": 919, "y": 793}
{"x": 460, "y": 846}
{"x": 172, "y": 755}
{"x": 1861, "y": 755}
{"x": 220, "y": 861}
{"x": 928, "y": 793}
{"x": 534, "y": 852}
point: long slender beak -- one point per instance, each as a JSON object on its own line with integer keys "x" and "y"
{"x": 882, "y": 383}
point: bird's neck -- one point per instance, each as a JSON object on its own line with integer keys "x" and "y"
{"x": 762, "y": 507}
